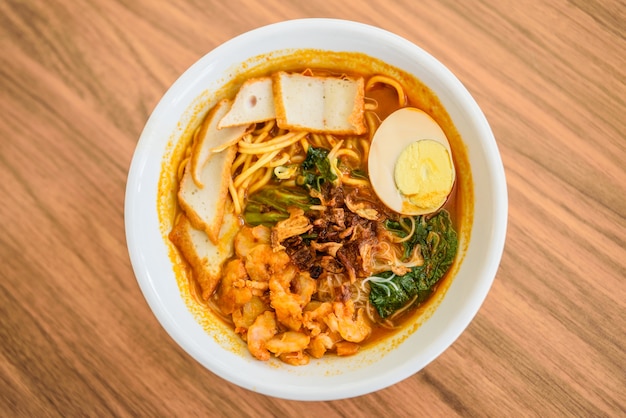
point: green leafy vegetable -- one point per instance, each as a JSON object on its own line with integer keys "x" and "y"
{"x": 402, "y": 228}
{"x": 315, "y": 169}
{"x": 438, "y": 243}
{"x": 271, "y": 205}
{"x": 359, "y": 174}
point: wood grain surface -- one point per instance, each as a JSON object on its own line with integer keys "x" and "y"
{"x": 78, "y": 81}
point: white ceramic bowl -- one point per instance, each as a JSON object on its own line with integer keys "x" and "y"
{"x": 332, "y": 377}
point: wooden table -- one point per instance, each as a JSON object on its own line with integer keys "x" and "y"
{"x": 78, "y": 81}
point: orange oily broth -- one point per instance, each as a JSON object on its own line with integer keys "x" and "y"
{"x": 460, "y": 203}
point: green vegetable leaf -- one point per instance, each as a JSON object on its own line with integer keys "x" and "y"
{"x": 395, "y": 227}
{"x": 359, "y": 174}
{"x": 271, "y": 204}
{"x": 315, "y": 169}
{"x": 438, "y": 243}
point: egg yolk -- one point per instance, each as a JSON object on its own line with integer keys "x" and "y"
{"x": 424, "y": 173}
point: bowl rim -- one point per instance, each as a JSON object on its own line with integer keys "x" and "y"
{"x": 136, "y": 190}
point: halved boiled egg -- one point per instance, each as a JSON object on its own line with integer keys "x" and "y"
{"x": 410, "y": 163}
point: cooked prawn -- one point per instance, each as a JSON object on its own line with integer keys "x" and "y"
{"x": 313, "y": 320}
{"x": 298, "y": 358}
{"x": 231, "y": 295}
{"x": 248, "y": 238}
{"x": 342, "y": 321}
{"x": 320, "y": 344}
{"x": 346, "y": 348}
{"x": 288, "y": 342}
{"x": 245, "y": 316}
{"x": 262, "y": 262}
{"x": 286, "y": 304}
{"x": 261, "y": 331}
{"x": 304, "y": 287}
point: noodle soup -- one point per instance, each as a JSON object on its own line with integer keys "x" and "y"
{"x": 273, "y": 221}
